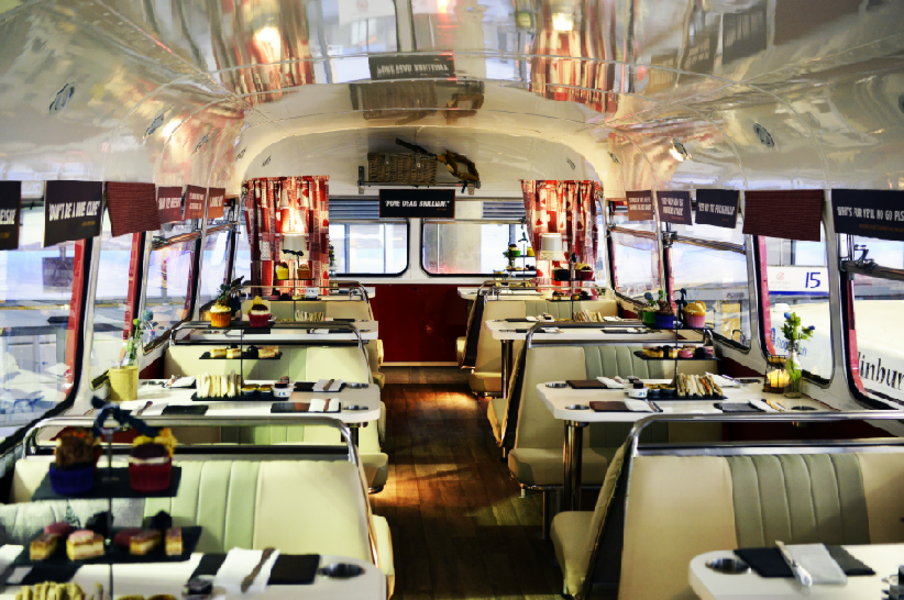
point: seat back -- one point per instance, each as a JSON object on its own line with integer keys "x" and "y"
{"x": 358, "y": 310}
{"x": 489, "y": 351}
{"x": 183, "y": 360}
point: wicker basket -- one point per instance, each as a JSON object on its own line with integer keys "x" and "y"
{"x": 402, "y": 168}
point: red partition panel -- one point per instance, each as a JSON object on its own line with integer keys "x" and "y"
{"x": 419, "y": 323}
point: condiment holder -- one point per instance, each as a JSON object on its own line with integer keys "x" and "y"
{"x": 556, "y": 384}
{"x": 341, "y": 570}
{"x": 728, "y": 566}
{"x": 354, "y": 407}
{"x": 357, "y": 386}
{"x": 577, "y": 407}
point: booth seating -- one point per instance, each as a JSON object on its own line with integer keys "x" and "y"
{"x": 301, "y": 363}
{"x": 681, "y": 506}
{"x": 486, "y": 378}
{"x": 466, "y": 346}
{"x": 535, "y": 459}
{"x": 298, "y": 506}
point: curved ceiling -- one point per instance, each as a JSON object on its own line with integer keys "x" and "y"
{"x": 202, "y": 92}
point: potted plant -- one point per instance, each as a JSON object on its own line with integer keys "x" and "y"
{"x": 794, "y": 334}
{"x": 124, "y": 378}
{"x": 648, "y": 312}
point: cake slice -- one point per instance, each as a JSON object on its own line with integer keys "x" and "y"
{"x": 174, "y": 541}
{"x": 234, "y": 353}
{"x": 43, "y": 546}
{"x": 218, "y": 353}
{"x": 144, "y": 542}
{"x": 84, "y": 544}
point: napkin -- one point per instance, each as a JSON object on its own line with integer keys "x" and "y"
{"x": 816, "y": 559}
{"x": 726, "y": 383}
{"x": 182, "y": 382}
{"x": 321, "y": 406}
{"x": 638, "y": 405}
{"x": 610, "y": 383}
{"x": 551, "y": 330}
{"x": 768, "y": 562}
{"x": 320, "y": 386}
{"x": 531, "y": 319}
{"x": 238, "y": 564}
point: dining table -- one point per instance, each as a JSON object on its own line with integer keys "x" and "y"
{"x": 709, "y": 584}
{"x": 573, "y": 408}
{"x": 168, "y": 578}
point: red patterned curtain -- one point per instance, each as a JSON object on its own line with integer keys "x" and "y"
{"x": 288, "y": 205}
{"x": 566, "y": 207}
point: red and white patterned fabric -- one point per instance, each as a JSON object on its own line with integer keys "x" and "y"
{"x": 566, "y": 207}
{"x": 289, "y": 205}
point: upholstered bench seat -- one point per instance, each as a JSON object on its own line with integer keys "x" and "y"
{"x": 571, "y": 534}
{"x": 496, "y": 415}
{"x": 543, "y": 466}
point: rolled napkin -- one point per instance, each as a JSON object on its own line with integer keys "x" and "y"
{"x": 320, "y": 386}
{"x": 551, "y": 330}
{"x": 638, "y": 406}
{"x": 324, "y": 406}
{"x": 238, "y": 564}
{"x": 815, "y": 558}
{"x": 610, "y": 383}
{"x": 531, "y": 319}
{"x": 723, "y": 382}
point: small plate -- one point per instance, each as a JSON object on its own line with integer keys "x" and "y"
{"x": 341, "y": 570}
{"x": 728, "y": 566}
{"x": 557, "y": 384}
{"x": 357, "y": 386}
{"x": 354, "y": 407}
{"x": 577, "y": 407}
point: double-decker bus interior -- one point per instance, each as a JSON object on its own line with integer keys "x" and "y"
{"x": 451, "y": 299}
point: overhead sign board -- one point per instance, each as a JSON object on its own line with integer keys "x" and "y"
{"x": 869, "y": 213}
{"x": 674, "y": 207}
{"x": 195, "y": 198}
{"x": 72, "y": 210}
{"x": 717, "y": 207}
{"x": 10, "y": 208}
{"x": 640, "y": 205}
{"x": 417, "y": 204}
{"x": 412, "y": 66}
{"x": 169, "y": 204}
{"x": 215, "y": 199}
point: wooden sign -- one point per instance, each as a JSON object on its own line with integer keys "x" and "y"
{"x": 640, "y": 205}
{"x": 417, "y": 204}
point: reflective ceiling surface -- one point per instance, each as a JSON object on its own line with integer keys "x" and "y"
{"x": 761, "y": 93}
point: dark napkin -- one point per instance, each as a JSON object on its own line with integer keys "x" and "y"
{"x": 55, "y": 573}
{"x": 176, "y": 409}
{"x": 768, "y": 562}
{"x": 737, "y": 407}
{"x": 289, "y": 569}
{"x": 305, "y": 386}
{"x": 585, "y": 384}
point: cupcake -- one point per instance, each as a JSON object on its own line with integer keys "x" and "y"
{"x": 151, "y": 462}
{"x": 665, "y": 315}
{"x": 75, "y": 458}
{"x": 282, "y": 270}
{"x": 259, "y": 314}
{"x": 513, "y": 251}
{"x": 583, "y": 272}
{"x": 686, "y": 353}
{"x": 220, "y": 314}
{"x": 695, "y": 315}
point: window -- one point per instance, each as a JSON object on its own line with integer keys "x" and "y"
{"x": 473, "y": 248}
{"x": 111, "y": 299}
{"x": 878, "y": 308}
{"x": 636, "y": 261}
{"x": 37, "y": 353}
{"x": 168, "y": 282}
{"x": 214, "y": 264}
{"x": 370, "y": 248}
{"x": 601, "y": 271}
{"x": 242, "y": 266}
{"x": 798, "y": 282}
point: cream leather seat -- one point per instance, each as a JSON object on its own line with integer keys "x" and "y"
{"x": 683, "y": 506}
{"x": 487, "y": 374}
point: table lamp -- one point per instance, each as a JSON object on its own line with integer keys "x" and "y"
{"x": 294, "y": 244}
{"x": 551, "y": 247}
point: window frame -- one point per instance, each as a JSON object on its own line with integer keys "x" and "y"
{"x": 648, "y": 235}
{"x": 422, "y": 249}
{"x": 407, "y": 223}
{"x": 193, "y": 282}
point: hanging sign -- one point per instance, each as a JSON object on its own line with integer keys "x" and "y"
{"x": 169, "y": 204}
{"x": 717, "y": 207}
{"x": 789, "y": 214}
{"x": 10, "y": 209}
{"x": 194, "y": 202}
{"x": 640, "y": 205}
{"x": 412, "y": 66}
{"x": 674, "y": 207}
{"x": 72, "y": 210}
{"x": 870, "y": 213}
{"x": 215, "y": 198}
{"x": 417, "y": 204}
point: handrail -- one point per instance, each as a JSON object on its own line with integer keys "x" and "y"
{"x": 205, "y": 327}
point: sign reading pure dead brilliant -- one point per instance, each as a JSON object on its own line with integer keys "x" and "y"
{"x": 72, "y": 211}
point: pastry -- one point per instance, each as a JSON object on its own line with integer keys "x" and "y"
{"x": 267, "y": 351}
{"x": 218, "y": 353}
{"x": 123, "y": 537}
{"x": 75, "y": 457}
{"x": 685, "y": 353}
{"x": 665, "y": 315}
{"x": 151, "y": 462}
{"x": 174, "y": 541}
{"x": 234, "y": 353}
{"x": 220, "y": 314}
{"x": 43, "y": 546}
{"x": 259, "y": 314}
{"x": 83, "y": 544}
{"x": 695, "y": 315}
{"x": 52, "y": 591}
{"x": 60, "y": 528}
{"x": 266, "y": 389}
{"x": 144, "y": 542}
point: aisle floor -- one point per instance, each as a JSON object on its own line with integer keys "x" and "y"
{"x": 459, "y": 527}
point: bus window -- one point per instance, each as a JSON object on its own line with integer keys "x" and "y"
{"x": 601, "y": 273}
{"x": 168, "y": 281}
{"x": 797, "y": 281}
{"x": 36, "y": 308}
{"x": 876, "y": 302}
{"x": 370, "y": 248}
{"x": 214, "y": 263}
{"x": 711, "y": 264}
{"x": 111, "y": 299}
{"x": 242, "y": 266}
{"x": 636, "y": 265}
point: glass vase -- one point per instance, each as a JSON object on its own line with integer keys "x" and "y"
{"x": 795, "y": 374}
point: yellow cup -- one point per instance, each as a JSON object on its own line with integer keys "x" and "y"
{"x": 123, "y": 383}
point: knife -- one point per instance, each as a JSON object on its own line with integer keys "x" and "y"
{"x": 247, "y": 581}
{"x": 801, "y": 574}
{"x": 328, "y": 385}
{"x": 146, "y": 406}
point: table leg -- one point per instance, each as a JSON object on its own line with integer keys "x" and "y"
{"x": 354, "y": 428}
{"x": 573, "y": 455}
{"x": 506, "y": 365}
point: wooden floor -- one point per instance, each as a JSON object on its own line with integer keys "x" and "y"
{"x": 459, "y": 527}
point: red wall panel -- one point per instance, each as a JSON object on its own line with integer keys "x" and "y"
{"x": 419, "y": 323}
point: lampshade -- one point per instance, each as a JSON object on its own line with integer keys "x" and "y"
{"x": 551, "y": 247}
{"x": 294, "y": 243}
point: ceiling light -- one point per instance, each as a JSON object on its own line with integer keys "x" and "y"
{"x": 614, "y": 158}
{"x": 765, "y": 137}
{"x": 563, "y": 21}
{"x": 269, "y": 41}
{"x": 267, "y": 162}
{"x": 62, "y": 98}
{"x": 678, "y": 151}
{"x": 203, "y": 141}
{"x": 240, "y": 155}
{"x": 570, "y": 163}
{"x": 170, "y": 128}
{"x": 155, "y": 124}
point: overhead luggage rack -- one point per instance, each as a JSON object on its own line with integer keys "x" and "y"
{"x": 363, "y": 182}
